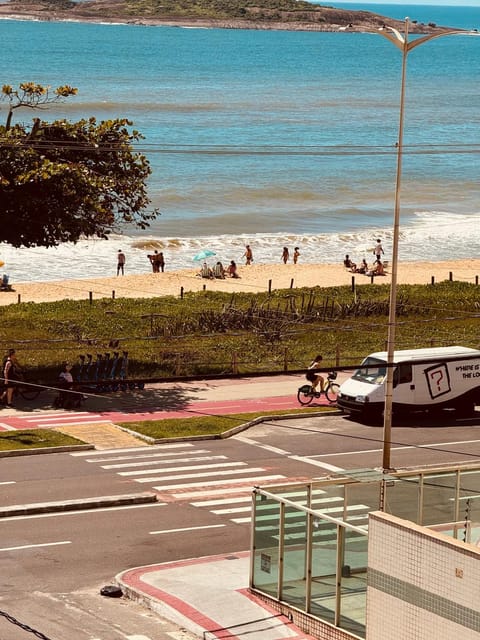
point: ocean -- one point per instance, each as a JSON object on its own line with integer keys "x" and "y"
{"x": 270, "y": 138}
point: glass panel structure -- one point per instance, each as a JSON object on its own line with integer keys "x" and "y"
{"x": 266, "y": 544}
{"x": 294, "y": 557}
{"x": 310, "y": 541}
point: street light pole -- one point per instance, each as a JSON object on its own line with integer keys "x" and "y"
{"x": 405, "y": 46}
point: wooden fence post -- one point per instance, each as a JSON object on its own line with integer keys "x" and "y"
{"x": 19, "y": 298}
{"x": 181, "y": 293}
{"x": 269, "y": 286}
{"x": 291, "y": 283}
{"x": 353, "y": 284}
{"x": 90, "y": 296}
{"x": 234, "y": 362}
{"x": 450, "y": 276}
{"x": 285, "y": 360}
{"x": 113, "y": 294}
{"x": 433, "y": 280}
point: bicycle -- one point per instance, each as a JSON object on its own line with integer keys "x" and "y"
{"x": 306, "y": 394}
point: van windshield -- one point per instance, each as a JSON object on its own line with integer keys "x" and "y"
{"x": 374, "y": 374}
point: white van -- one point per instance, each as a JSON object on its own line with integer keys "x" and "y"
{"x": 424, "y": 379}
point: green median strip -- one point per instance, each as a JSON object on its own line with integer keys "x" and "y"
{"x": 207, "y": 425}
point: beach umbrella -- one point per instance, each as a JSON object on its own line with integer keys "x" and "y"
{"x": 204, "y": 253}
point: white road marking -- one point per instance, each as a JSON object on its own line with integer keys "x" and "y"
{"x": 66, "y": 416}
{"x": 35, "y": 546}
{"x": 208, "y": 526}
{"x": 189, "y": 495}
{"x": 317, "y": 463}
{"x": 402, "y": 448}
{"x": 150, "y": 448}
{"x": 183, "y": 476}
{"x": 223, "y": 512}
{"x": 137, "y": 637}
{"x": 219, "y": 465}
{"x": 7, "y": 427}
{"x": 145, "y": 463}
{"x": 8, "y": 482}
{"x": 212, "y": 483}
{"x": 215, "y": 503}
{"x": 267, "y": 447}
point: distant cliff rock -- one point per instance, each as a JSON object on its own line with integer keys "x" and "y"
{"x": 293, "y": 15}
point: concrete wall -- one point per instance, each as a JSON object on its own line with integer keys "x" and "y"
{"x": 422, "y": 585}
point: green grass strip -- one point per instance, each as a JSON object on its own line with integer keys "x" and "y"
{"x": 205, "y": 425}
{"x": 35, "y": 439}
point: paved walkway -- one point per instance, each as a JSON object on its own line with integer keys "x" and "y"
{"x": 103, "y": 436}
{"x": 208, "y": 597}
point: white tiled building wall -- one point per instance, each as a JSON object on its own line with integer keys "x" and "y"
{"x": 422, "y": 585}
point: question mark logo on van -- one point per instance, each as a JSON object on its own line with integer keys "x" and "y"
{"x": 438, "y": 380}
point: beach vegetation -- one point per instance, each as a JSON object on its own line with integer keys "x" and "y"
{"x": 61, "y": 181}
{"x": 217, "y": 333}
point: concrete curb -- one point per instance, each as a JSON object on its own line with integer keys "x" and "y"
{"x": 77, "y": 505}
{"x": 245, "y": 426}
{"x": 32, "y": 452}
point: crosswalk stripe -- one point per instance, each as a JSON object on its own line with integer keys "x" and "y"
{"x": 66, "y": 416}
{"x": 183, "y": 476}
{"x": 125, "y": 465}
{"x": 215, "y": 503}
{"x": 212, "y": 483}
{"x": 224, "y": 512}
{"x": 172, "y": 445}
{"x": 218, "y": 465}
{"x": 7, "y": 427}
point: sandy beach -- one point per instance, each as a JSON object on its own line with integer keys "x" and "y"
{"x": 254, "y": 278}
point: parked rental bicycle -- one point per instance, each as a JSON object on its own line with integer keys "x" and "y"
{"x": 306, "y": 393}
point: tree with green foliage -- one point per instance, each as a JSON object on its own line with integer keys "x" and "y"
{"x": 61, "y": 181}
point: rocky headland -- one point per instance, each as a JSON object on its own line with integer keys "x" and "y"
{"x": 292, "y": 15}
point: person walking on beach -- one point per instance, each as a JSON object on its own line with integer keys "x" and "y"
{"x": 120, "y": 262}
{"x": 285, "y": 255}
{"x": 296, "y": 255}
{"x": 248, "y": 255}
{"x": 378, "y": 250}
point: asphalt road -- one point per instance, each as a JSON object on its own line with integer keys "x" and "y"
{"x": 53, "y": 565}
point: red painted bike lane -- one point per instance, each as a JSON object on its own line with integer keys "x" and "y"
{"x": 41, "y": 419}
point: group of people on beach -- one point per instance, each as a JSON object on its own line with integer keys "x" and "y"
{"x": 156, "y": 259}
{"x": 219, "y": 271}
{"x": 376, "y": 269}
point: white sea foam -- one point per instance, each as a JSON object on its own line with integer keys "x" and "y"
{"x": 430, "y": 236}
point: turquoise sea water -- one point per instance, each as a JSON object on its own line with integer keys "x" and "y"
{"x": 270, "y": 138}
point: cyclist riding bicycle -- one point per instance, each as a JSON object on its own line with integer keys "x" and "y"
{"x": 315, "y": 378}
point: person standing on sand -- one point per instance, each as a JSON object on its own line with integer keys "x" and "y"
{"x": 120, "y": 262}
{"x": 378, "y": 250}
{"x": 296, "y": 254}
{"x": 285, "y": 255}
{"x": 160, "y": 262}
{"x": 154, "y": 261}
{"x": 248, "y": 255}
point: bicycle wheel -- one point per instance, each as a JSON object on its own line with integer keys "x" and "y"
{"x": 305, "y": 395}
{"x": 332, "y": 392}
{"x": 29, "y": 393}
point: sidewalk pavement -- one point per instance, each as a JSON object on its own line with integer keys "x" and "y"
{"x": 209, "y": 598}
